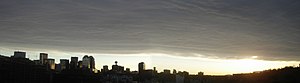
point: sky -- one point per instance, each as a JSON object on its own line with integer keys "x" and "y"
{"x": 214, "y": 36}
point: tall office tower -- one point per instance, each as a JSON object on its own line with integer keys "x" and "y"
{"x": 64, "y": 64}
{"x": 43, "y": 57}
{"x": 141, "y": 67}
{"x": 92, "y": 62}
{"x": 105, "y": 68}
{"x": 19, "y": 54}
{"x": 74, "y": 62}
{"x": 50, "y": 63}
{"x": 86, "y": 62}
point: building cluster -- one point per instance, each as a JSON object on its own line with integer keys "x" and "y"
{"x": 87, "y": 62}
{"x": 68, "y": 70}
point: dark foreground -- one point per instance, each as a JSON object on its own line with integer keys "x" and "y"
{"x": 22, "y": 70}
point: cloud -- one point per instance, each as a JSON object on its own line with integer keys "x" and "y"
{"x": 212, "y": 28}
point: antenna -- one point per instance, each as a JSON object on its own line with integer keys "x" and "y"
{"x": 116, "y": 62}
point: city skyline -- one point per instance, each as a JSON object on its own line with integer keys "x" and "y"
{"x": 216, "y": 37}
{"x": 18, "y": 68}
{"x": 87, "y": 62}
{"x": 249, "y": 64}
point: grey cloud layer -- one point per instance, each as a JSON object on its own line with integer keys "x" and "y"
{"x": 215, "y": 28}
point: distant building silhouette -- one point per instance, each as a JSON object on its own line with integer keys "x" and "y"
{"x": 92, "y": 63}
{"x": 19, "y": 54}
{"x": 117, "y": 68}
{"x": 167, "y": 71}
{"x": 200, "y": 73}
{"x": 74, "y": 63}
{"x": 86, "y": 62}
{"x": 50, "y": 63}
{"x": 127, "y": 70}
{"x": 174, "y": 71}
{"x": 43, "y": 57}
{"x": 105, "y": 69}
{"x": 64, "y": 64}
{"x": 141, "y": 67}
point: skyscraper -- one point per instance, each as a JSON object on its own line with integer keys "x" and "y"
{"x": 74, "y": 62}
{"x": 86, "y": 62}
{"x": 141, "y": 67}
{"x": 50, "y": 63}
{"x": 43, "y": 57}
{"x": 19, "y": 54}
{"x": 92, "y": 62}
{"x": 64, "y": 64}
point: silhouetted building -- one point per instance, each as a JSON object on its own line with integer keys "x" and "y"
{"x": 86, "y": 62}
{"x": 114, "y": 68}
{"x": 200, "y": 73}
{"x": 74, "y": 63}
{"x": 19, "y": 54}
{"x": 141, "y": 67}
{"x": 92, "y": 63}
{"x": 184, "y": 73}
{"x": 105, "y": 68}
{"x": 174, "y": 71}
{"x": 64, "y": 64}
{"x": 166, "y": 71}
{"x": 121, "y": 68}
{"x": 117, "y": 68}
{"x": 127, "y": 70}
{"x": 43, "y": 57}
{"x": 50, "y": 63}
